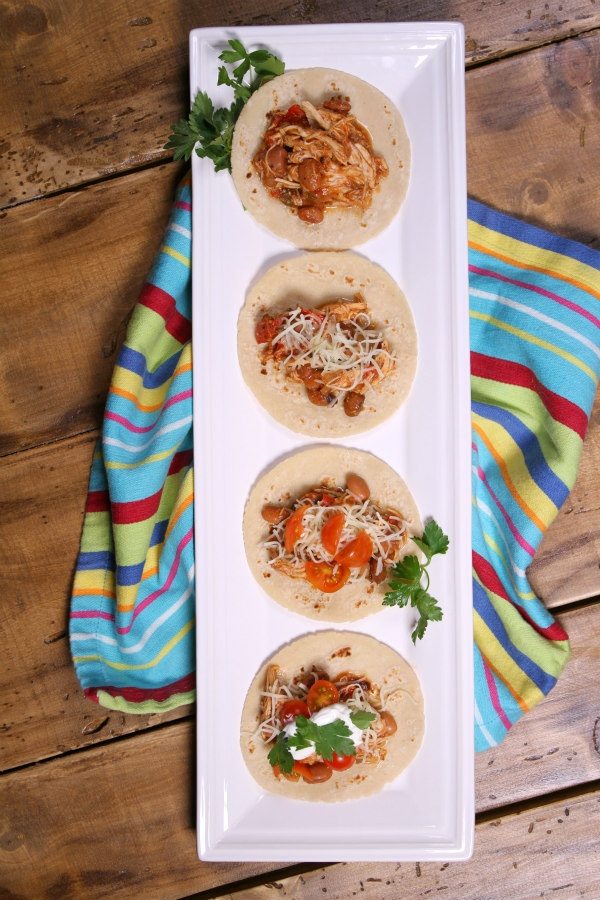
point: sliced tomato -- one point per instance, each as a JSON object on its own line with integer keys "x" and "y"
{"x": 357, "y": 552}
{"x": 326, "y": 578}
{"x": 267, "y": 328}
{"x": 313, "y": 774}
{"x": 322, "y": 693}
{"x": 331, "y": 532}
{"x": 340, "y": 763}
{"x": 291, "y": 709}
{"x": 293, "y": 529}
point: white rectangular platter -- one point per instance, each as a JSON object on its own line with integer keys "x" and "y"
{"x": 427, "y": 812}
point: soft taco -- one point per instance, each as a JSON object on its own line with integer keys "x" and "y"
{"x": 323, "y": 529}
{"x": 331, "y": 716}
{"x": 321, "y": 158}
{"x": 327, "y": 343}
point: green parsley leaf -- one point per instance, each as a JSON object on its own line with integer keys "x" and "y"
{"x": 405, "y": 583}
{"x": 435, "y": 538}
{"x": 361, "y": 718}
{"x": 279, "y": 754}
{"x": 210, "y": 131}
{"x": 328, "y": 739}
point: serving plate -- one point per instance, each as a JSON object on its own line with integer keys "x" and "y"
{"x": 427, "y": 812}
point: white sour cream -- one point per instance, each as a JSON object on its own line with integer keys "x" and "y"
{"x": 325, "y": 716}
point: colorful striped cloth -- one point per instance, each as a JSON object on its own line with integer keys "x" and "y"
{"x": 535, "y": 362}
{"x": 533, "y": 303}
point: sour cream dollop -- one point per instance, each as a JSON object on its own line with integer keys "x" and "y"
{"x": 325, "y": 716}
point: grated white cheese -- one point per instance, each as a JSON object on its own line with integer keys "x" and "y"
{"x": 387, "y": 537}
{"x": 322, "y": 343}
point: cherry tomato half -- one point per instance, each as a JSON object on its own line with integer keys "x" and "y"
{"x": 291, "y": 709}
{"x": 293, "y": 529}
{"x": 331, "y": 532}
{"x": 289, "y": 776}
{"x": 322, "y": 693}
{"x": 357, "y": 552}
{"x": 313, "y": 774}
{"x": 340, "y": 763}
{"x": 324, "y": 577}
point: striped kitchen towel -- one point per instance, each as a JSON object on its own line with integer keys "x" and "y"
{"x": 535, "y": 362}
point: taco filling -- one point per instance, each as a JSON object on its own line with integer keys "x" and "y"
{"x": 315, "y": 158}
{"x": 316, "y": 726}
{"x": 332, "y": 536}
{"x": 335, "y": 351}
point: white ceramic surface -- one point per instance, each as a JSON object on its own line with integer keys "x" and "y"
{"x": 427, "y": 813}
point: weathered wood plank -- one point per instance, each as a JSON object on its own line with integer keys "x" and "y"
{"x": 43, "y": 496}
{"x": 115, "y": 821}
{"x": 76, "y": 266}
{"x": 86, "y": 253}
{"x": 574, "y": 534}
{"x": 556, "y": 745}
{"x": 98, "y": 824}
{"x": 106, "y": 105}
{"x": 533, "y": 136}
{"x": 549, "y": 850}
{"x": 42, "y": 709}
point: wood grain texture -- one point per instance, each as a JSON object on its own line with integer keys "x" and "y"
{"x": 567, "y": 564}
{"x": 557, "y": 744}
{"x": 44, "y": 712}
{"x": 533, "y": 126}
{"x": 73, "y": 274}
{"x": 546, "y": 851}
{"x": 85, "y": 254}
{"x": 97, "y": 824}
{"x": 42, "y": 709}
{"x": 106, "y": 106}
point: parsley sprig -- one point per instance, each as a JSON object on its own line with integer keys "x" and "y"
{"x": 406, "y": 581}
{"x": 335, "y": 737}
{"x": 210, "y": 130}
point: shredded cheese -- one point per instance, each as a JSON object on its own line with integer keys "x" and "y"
{"x": 388, "y": 537}
{"x": 345, "y": 358}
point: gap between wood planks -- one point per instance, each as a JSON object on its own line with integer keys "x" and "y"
{"x": 189, "y": 713}
{"x": 245, "y": 884}
{"x": 470, "y": 65}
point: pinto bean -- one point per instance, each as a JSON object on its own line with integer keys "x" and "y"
{"x": 274, "y": 514}
{"x": 311, "y": 214}
{"x": 358, "y": 486}
{"x": 277, "y": 160}
{"x": 316, "y": 396}
{"x": 310, "y": 376}
{"x": 374, "y": 576}
{"x": 388, "y": 723}
{"x": 353, "y": 403}
{"x": 309, "y": 174}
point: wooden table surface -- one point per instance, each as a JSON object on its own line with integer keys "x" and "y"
{"x": 94, "y": 803}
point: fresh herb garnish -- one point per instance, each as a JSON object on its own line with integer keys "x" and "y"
{"x": 279, "y": 754}
{"x": 328, "y": 739}
{"x": 335, "y": 737}
{"x": 361, "y": 718}
{"x": 407, "y": 576}
{"x": 210, "y": 130}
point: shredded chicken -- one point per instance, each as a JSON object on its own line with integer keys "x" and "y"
{"x": 355, "y": 690}
{"x": 315, "y": 158}
{"x": 334, "y": 350}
